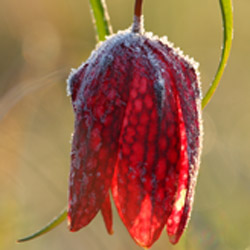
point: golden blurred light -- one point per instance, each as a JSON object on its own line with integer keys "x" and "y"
{"x": 40, "y": 41}
{"x": 41, "y": 45}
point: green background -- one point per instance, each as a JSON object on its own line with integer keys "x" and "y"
{"x": 39, "y": 42}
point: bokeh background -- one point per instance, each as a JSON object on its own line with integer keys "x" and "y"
{"x": 39, "y": 42}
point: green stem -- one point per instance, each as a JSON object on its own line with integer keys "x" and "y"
{"x": 100, "y": 18}
{"x": 54, "y": 223}
{"x": 227, "y": 17}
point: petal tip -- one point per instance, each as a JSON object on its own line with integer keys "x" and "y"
{"x": 71, "y": 226}
{"x": 111, "y": 231}
{"x": 173, "y": 239}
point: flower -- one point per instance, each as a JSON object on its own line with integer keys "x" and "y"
{"x": 137, "y": 105}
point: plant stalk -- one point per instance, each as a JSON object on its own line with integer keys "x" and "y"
{"x": 137, "y": 24}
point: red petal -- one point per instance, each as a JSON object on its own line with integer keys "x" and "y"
{"x": 176, "y": 216}
{"x": 188, "y": 89}
{"x": 107, "y": 214}
{"x": 99, "y": 111}
{"x": 137, "y": 95}
{"x": 145, "y": 178}
{"x": 190, "y": 102}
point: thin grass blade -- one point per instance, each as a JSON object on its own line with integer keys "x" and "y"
{"x": 100, "y": 18}
{"x": 54, "y": 223}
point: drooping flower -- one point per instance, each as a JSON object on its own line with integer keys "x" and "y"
{"x": 137, "y": 104}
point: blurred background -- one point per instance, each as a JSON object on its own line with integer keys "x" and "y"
{"x": 39, "y": 43}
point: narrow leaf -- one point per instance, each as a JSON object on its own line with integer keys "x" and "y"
{"x": 227, "y": 17}
{"x": 100, "y": 18}
{"x": 54, "y": 223}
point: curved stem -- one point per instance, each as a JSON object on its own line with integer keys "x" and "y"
{"x": 54, "y": 223}
{"x": 227, "y": 17}
{"x": 137, "y": 16}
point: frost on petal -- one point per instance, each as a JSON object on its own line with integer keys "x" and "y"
{"x": 137, "y": 125}
{"x": 191, "y": 108}
{"x": 144, "y": 182}
{"x": 188, "y": 95}
{"x": 74, "y": 81}
{"x": 99, "y": 109}
{"x": 178, "y": 209}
